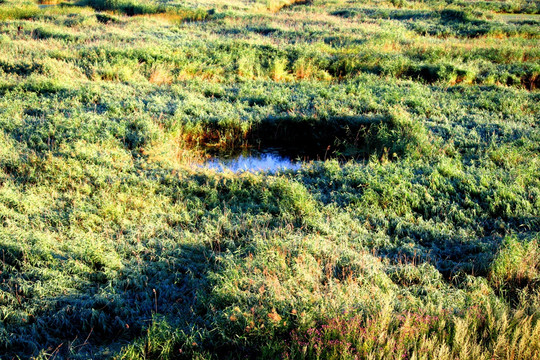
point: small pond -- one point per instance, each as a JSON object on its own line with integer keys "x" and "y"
{"x": 268, "y": 160}
{"x": 519, "y": 17}
{"x": 277, "y": 144}
{"x": 44, "y": 6}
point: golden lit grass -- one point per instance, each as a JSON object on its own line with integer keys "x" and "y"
{"x": 398, "y": 43}
{"x": 176, "y": 16}
{"x": 16, "y": 12}
{"x": 160, "y": 74}
{"x": 486, "y": 333}
{"x": 50, "y": 2}
{"x": 24, "y": 11}
{"x": 277, "y": 5}
{"x": 175, "y": 152}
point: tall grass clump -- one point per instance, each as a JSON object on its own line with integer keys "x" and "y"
{"x": 18, "y": 12}
{"x": 134, "y": 7}
{"x": 516, "y": 266}
{"x": 418, "y": 334}
{"x": 276, "y": 5}
{"x": 128, "y": 7}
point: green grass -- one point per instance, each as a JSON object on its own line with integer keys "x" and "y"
{"x": 417, "y": 238}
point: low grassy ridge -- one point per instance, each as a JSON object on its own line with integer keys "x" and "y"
{"x": 418, "y": 239}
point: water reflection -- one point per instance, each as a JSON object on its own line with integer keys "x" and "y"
{"x": 262, "y": 162}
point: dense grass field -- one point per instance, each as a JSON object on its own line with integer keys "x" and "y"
{"x": 415, "y": 236}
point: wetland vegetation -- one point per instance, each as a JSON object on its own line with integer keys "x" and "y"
{"x": 412, "y": 231}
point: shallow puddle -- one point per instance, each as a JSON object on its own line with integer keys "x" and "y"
{"x": 45, "y": 6}
{"x": 254, "y": 161}
{"x": 519, "y": 17}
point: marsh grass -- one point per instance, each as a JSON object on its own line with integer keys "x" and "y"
{"x": 143, "y": 7}
{"x": 420, "y": 335}
{"x": 277, "y": 5}
{"x": 416, "y": 237}
{"x": 516, "y": 267}
{"x": 18, "y": 12}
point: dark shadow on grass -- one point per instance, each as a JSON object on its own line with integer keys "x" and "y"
{"x": 343, "y": 137}
{"x": 455, "y": 256}
{"x": 110, "y": 314}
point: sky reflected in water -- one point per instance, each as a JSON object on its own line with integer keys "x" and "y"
{"x": 266, "y": 162}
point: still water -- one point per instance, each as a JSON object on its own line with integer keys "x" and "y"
{"x": 269, "y": 162}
